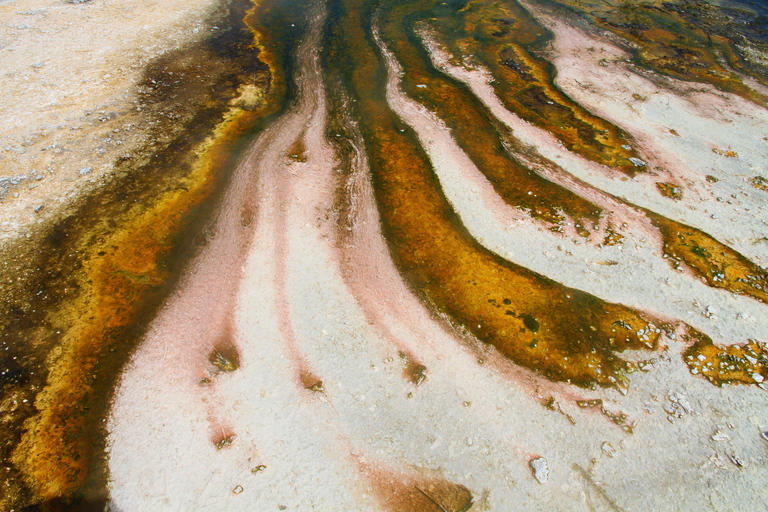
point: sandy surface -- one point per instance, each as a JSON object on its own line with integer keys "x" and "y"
{"x": 68, "y": 72}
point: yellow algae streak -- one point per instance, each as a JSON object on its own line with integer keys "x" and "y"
{"x": 503, "y": 38}
{"x": 734, "y": 364}
{"x": 667, "y": 42}
{"x": 473, "y": 130}
{"x": 122, "y": 267}
{"x": 565, "y": 334}
{"x": 719, "y": 265}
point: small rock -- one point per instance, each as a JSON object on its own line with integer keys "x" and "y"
{"x": 720, "y": 436}
{"x": 38, "y": 208}
{"x": 84, "y": 171}
{"x": 608, "y": 449}
{"x": 238, "y": 489}
{"x": 540, "y": 469}
{"x": 637, "y": 162}
{"x": 757, "y": 378}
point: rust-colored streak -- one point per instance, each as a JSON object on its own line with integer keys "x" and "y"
{"x": 735, "y": 364}
{"x": 719, "y": 265}
{"x": 399, "y": 492}
{"x": 55, "y": 451}
{"x": 575, "y": 336}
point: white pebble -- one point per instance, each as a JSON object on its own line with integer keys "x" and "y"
{"x": 540, "y": 469}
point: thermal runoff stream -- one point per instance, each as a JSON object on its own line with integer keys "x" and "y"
{"x": 412, "y": 255}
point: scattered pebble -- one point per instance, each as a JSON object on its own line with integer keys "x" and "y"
{"x": 608, "y": 449}
{"x": 540, "y": 469}
{"x": 85, "y": 170}
{"x": 720, "y": 436}
{"x": 238, "y": 489}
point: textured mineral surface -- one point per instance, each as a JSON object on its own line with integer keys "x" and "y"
{"x": 396, "y": 255}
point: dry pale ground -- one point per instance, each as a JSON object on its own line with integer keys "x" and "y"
{"x": 68, "y": 75}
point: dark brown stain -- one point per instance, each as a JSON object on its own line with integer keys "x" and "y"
{"x": 416, "y": 373}
{"x": 247, "y": 214}
{"x": 310, "y": 381}
{"x": 225, "y": 356}
{"x": 298, "y": 150}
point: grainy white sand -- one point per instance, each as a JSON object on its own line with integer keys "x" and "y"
{"x": 68, "y": 75}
